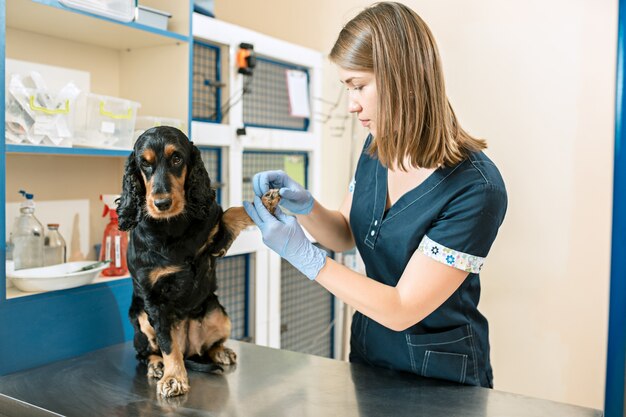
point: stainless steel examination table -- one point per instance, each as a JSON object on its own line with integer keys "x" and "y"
{"x": 266, "y": 382}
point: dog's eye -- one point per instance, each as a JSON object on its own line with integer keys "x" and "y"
{"x": 145, "y": 163}
{"x": 176, "y": 160}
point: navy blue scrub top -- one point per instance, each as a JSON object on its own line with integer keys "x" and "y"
{"x": 452, "y": 217}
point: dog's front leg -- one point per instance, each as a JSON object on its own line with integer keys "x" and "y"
{"x": 172, "y": 341}
{"x": 235, "y": 219}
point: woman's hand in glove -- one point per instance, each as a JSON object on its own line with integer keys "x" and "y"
{"x": 294, "y": 197}
{"x": 284, "y": 236}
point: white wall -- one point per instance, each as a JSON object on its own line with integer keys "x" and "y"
{"x": 536, "y": 79}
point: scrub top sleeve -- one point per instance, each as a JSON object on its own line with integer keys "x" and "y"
{"x": 465, "y": 229}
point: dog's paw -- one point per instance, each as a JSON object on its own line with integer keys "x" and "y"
{"x": 155, "y": 369}
{"x": 271, "y": 199}
{"x": 171, "y": 386}
{"x": 224, "y": 356}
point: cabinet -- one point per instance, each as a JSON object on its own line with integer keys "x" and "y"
{"x": 156, "y": 68}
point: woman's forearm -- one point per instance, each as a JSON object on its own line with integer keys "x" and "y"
{"x": 329, "y": 227}
{"x": 376, "y": 300}
{"x": 424, "y": 285}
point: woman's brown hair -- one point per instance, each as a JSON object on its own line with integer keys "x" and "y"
{"x": 415, "y": 122}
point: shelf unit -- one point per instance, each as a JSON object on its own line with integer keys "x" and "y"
{"x": 155, "y": 68}
{"x": 126, "y": 60}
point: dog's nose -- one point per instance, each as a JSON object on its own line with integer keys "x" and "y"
{"x": 163, "y": 203}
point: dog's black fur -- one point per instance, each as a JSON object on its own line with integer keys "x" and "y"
{"x": 177, "y": 232}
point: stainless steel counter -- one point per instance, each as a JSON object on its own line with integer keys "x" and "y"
{"x": 266, "y": 382}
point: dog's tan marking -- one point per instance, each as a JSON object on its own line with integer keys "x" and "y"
{"x": 174, "y": 381}
{"x": 209, "y": 239}
{"x": 178, "y": 193}
{"x": 236, "y": 219}
{"x": 149, "y": 199}
{"x": 155, "y": 366}
{"x": 147, "y": 329}
{"x": 149, "y": 155}
{"x": 169, "y": 150}
{"x": 222, "y": 355}
{"x": 204, "y": 333}
{"x": 158, "y": 273}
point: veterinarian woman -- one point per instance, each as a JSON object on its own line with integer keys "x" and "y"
{"x": 423, "y": 209}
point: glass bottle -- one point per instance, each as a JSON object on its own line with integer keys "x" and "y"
{"x": 54, "y": 250}
{"x": 27, "y": 236}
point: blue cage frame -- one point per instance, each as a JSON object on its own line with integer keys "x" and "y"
{"x": 616, "y": 351}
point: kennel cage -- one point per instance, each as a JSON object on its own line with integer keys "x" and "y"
{"x": 206, "y": 83}
{"x": 307, "y": 314}
{"x": 266, "y": 98}
{"x": 234, "y": 281}
{"x": 212, "y": 158}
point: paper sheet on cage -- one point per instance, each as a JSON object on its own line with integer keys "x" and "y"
{"x": 298, "y": 89}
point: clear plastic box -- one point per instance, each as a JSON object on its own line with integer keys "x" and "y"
{"x": 40, "y": 117}
{"x": 122, "y": 10}
{"x": 152, "y": 17}
{"x": 110, "y": 121}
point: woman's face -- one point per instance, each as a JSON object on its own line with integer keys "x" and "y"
{"x": 362, "y": 96}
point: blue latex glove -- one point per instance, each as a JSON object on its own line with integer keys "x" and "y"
{"x": 294, "y": 197}
{"x": 284, "y": 236}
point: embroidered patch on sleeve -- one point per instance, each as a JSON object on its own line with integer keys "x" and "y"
{"x": 451, "y": 257}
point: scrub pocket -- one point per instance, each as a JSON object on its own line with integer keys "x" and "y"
{"x": 448, "y": 355}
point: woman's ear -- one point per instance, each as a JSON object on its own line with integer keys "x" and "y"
{"x": 200, "y": 195}
{"x": 131, "y": 202}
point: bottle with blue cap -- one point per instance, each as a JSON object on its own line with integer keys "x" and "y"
{"x": 27, "y": 236}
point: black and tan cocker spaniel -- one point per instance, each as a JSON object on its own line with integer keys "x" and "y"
{"x": 177, "y": 233}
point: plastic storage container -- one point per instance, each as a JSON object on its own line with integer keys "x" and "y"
{"x": 152, "y": 17}
{"x": 27, "y": 236}
{"x": 122, "y": 10}
{"x": 110, "y": 121}
{"x": 38, "y": 116}
{"x": 54, "y": 249}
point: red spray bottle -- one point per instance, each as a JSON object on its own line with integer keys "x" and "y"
{"x": 114, "y": 241}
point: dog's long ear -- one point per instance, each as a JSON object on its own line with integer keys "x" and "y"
{"x": 200, "y": 195}
{"x": 131, "y": 202}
